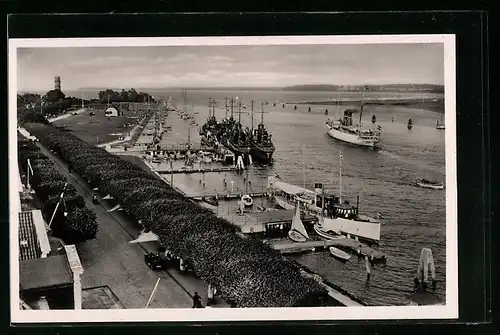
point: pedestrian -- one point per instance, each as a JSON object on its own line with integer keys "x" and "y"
{"x": 94, "y": 199}
{"x": 197, "y": 301}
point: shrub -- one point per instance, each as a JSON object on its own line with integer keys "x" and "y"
{"x": 245, "y": 271}
{"x": 80, "y": 224}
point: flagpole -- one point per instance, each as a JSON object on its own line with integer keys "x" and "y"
{"x": 58, "y": 203}
{"x": 152, "y": 293}
{"x": 28, "y": 175}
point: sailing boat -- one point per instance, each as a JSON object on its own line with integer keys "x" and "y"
{"x": 344, "y": 129}
{"x": 440, "y": 123}
{"x": 298, "y": 232}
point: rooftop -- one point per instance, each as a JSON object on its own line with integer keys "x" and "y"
{"x": 44, "y": 273}
{"x": 29, "y": 248}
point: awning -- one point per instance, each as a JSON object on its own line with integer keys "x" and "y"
{"x": 290, "y": 189}
{"x": 145, "y": 237}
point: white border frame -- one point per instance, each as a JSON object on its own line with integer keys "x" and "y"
{"x": 447, "y": 311}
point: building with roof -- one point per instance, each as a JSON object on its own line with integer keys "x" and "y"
{"x": 49, "y": 271}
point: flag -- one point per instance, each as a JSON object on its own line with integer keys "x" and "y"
{"x": 30, "y": 169}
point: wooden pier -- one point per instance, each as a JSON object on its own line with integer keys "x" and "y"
{"x": 222, "y": 196}
{"x": 203, "y": 170}
{"x": 290, "y": 247}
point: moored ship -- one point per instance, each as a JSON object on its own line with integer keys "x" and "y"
{"x": 345, "y": 130}
{"x": 262, "y": 147}
{"x": 334, "y": 215}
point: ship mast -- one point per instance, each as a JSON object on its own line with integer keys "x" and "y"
{"x": 209, "y": 105}
{"x": 262, "y": 113}
{"x": 185, "y": 101}
{"x": 303, "y": 167}
{"x": 338, "y": 102}
{"x": 239, "y": 112}
{"x": 340, "y": 178}
{"x": 252, "y": 115}
{"x": 225, "y": 99}
{"x": 362, "y": 104}
{"x": 232, "y": 106}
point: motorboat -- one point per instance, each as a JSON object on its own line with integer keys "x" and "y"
{"x": 339, "y": 254}
{"x": 436, "y": 185}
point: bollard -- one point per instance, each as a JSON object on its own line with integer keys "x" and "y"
{"x": 368, "y": 270}
{"x": 426, "y": 263}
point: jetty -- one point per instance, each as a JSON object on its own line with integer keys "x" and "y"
{"x": 227, "y": 196}
{"x": 197, "y": 170}
{"x": 290, "y": 247}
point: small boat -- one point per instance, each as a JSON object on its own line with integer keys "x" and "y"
{"x": 436, "y": 185}
{"x": 247, "y": 200}
{"x": 410, "y": 124}
{"x": 328, "y": 235}
{"x": 440, "y": 125}
{"x": 339, "y": 254}
{"x": 298, "y": 232}
{"x": 211, "y": 201}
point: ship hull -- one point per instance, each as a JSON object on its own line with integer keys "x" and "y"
{"x": 351, "y": 138}
{"x": 368, "y": 231}
{"x": 262, "y": 155}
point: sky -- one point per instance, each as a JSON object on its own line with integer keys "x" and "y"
{"x": 229, "y": 66}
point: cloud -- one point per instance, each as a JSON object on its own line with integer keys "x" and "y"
{"x": 276, "y": 65}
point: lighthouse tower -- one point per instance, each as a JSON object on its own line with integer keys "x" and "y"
{"x": 57, "y": 83}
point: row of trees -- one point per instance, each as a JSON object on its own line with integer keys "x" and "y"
{"x": 79, "y": 224}
{"x": 244, "y": 270}
{"x": 124, "y": 96}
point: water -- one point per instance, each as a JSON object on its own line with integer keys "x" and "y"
{"x": 384, "y": 179}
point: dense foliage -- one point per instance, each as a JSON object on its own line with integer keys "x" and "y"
{"x": 80, "y": 223}
{"x": 124, "y": 96}
{"x": 245, "y": 271}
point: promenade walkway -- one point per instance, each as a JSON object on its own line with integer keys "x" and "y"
{"x": 110, "y": 260}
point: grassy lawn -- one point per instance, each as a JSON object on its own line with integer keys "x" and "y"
{"x": 108, "y": 129}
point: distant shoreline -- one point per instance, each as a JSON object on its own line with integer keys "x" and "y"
{"x": 433, "y": 105}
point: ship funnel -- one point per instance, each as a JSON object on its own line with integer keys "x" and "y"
{"x": 318, "y": 191}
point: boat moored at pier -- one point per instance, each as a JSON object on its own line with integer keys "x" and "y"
{"x": 343, "y": 218}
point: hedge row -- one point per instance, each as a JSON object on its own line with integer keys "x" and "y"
{"x": 245, "y": 271}
{"x": 80, "y": 223}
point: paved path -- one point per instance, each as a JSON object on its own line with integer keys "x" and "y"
{"x": 110, "y": 260}
{"x": 68, "y": 114}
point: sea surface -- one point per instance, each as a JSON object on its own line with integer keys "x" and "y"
{"x": 413, "y": 217}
